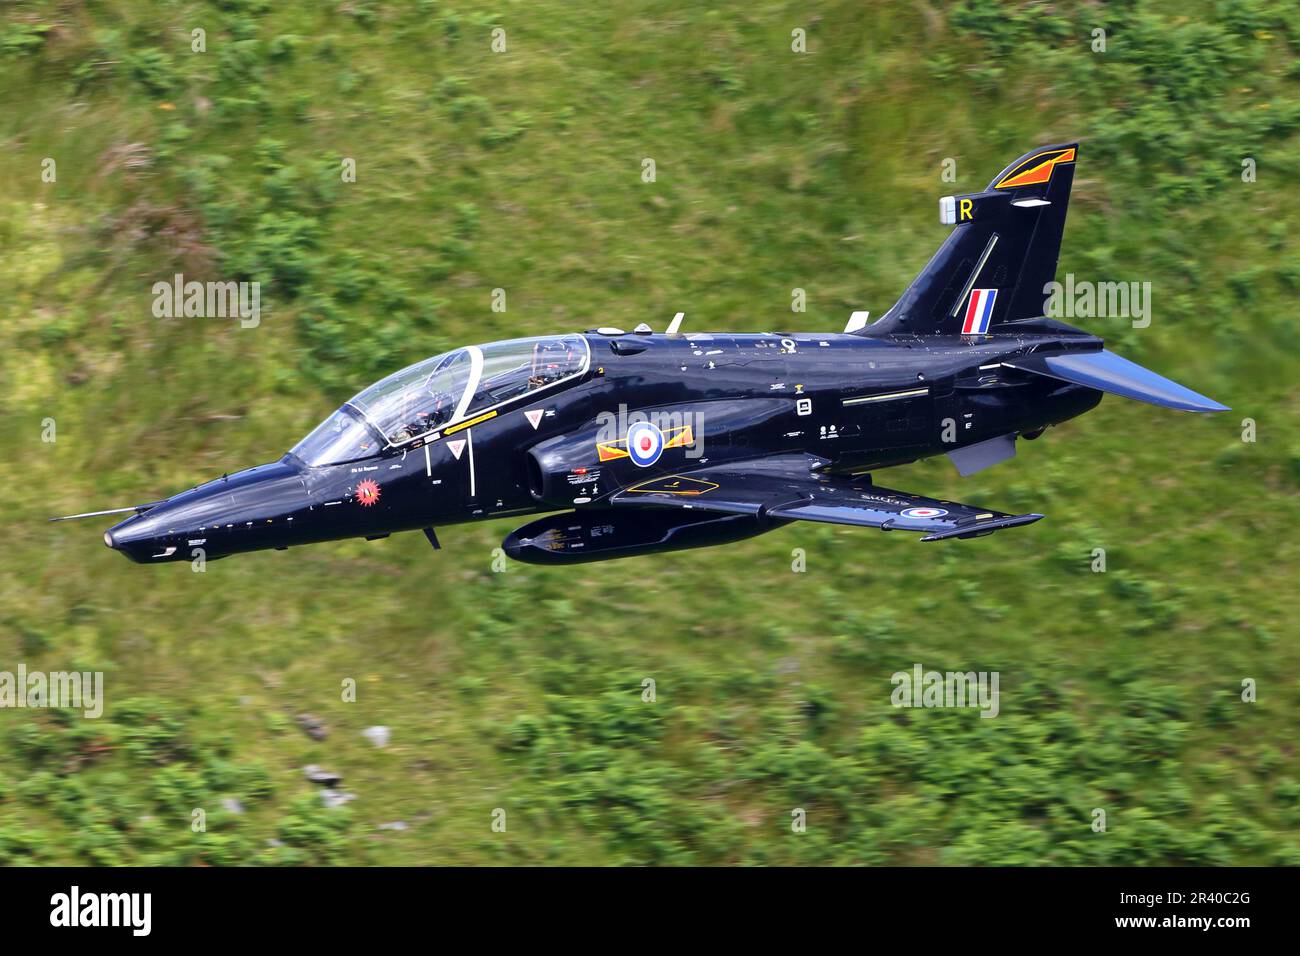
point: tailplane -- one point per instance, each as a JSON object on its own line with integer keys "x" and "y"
{"x": 1108, "y": 372}
{"x": 993, "y": 267}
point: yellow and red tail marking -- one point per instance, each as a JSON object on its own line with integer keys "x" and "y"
{"x": 1036, "y": 169}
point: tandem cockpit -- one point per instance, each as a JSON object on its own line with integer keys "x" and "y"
{"x": 442, "y": 391}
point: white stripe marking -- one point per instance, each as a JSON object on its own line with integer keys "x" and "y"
{"x": 888, "y": 397}
{"x": 469, "y": 443}
{"x": 993, "y": 241}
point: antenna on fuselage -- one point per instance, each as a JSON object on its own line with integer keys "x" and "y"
{"x": 858, "y": 320}
{"x": 675, "y": 325}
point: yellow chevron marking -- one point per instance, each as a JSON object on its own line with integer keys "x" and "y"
{"x": 468, "y": 422}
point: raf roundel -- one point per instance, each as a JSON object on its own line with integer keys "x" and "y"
{"x": 923, "y": 513}
{"x": 645, "y": 443}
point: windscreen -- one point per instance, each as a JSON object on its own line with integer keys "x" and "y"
{"x": 341, "y": 437}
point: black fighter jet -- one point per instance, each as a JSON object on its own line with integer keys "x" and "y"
{"x": 648, "y": 442}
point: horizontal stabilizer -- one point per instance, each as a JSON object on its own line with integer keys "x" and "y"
{"x": 1108, "y": 372}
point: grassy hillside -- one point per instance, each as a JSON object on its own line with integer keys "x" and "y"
{"x": 522, "y": 170}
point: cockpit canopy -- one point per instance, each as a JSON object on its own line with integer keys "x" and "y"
{"x": 441, "y": 391}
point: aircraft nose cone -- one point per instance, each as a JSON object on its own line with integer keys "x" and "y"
{"x": 222, "y": 516}
{"x": 134, "y": 537}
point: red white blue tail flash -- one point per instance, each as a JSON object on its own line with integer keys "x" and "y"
{"x": 979, "y": 312}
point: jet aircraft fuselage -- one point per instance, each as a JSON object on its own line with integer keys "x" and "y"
{"x": 635, "y": 442}
{"x": 854, "y": 403}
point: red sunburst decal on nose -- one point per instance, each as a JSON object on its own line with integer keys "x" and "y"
{"x": 367, "y": 492}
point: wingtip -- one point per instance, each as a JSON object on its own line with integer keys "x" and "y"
{"x": 979, "y": 530}
{"x": 1201, "y": 406}
{"x": 1196, "y": 402}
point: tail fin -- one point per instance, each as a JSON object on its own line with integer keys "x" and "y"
{"x": 993, "y": 266}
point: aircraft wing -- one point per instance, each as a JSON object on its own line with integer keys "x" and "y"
{"x": 785, "y": 487}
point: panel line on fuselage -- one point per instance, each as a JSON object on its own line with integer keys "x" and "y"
{"x": 887, "y": 396}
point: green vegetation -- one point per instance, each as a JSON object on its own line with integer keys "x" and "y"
{"x": 521, "y": 690}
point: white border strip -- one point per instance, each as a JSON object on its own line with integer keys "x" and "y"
{"x": 887, "y": 397}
